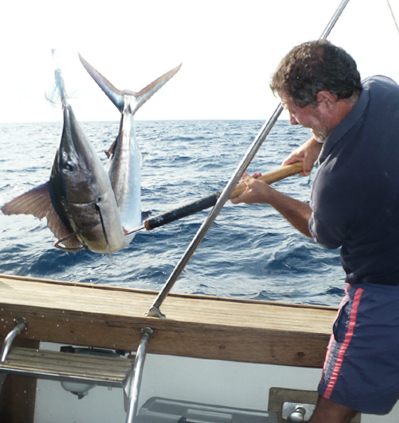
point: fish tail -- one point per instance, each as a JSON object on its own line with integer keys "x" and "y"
{"x": 115, "y": 95}
{"x": 118, "y": 97}
{"x": 147, "y": 92}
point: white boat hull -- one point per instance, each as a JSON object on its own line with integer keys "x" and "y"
{"x": 213, "y": 382}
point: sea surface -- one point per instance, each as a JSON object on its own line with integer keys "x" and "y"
{"x": 249, "y": 252}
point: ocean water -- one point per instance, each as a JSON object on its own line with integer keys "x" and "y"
{"x": 249, "y": 252}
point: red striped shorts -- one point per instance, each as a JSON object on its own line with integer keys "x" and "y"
{"x": 361, "y": 370}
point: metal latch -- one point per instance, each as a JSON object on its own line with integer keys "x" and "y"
{"x": 297, "y": 412}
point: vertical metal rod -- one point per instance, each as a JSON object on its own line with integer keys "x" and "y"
{"x": 263, "y": 133}
{"x": 20, "y": 324}
{"x": 134, "y": 388}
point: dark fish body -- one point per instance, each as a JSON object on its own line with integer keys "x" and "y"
{"x": 81, "y": 190}
{"x": 78, "y": 201}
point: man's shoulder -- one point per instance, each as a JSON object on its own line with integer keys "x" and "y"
{"x": 379, "y": 81}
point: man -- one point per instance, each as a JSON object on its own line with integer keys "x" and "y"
{"x": 354, "y": 205}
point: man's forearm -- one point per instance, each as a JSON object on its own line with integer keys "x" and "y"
{"x": 296, "y": 212}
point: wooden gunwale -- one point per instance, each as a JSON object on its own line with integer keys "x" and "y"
{"x": 195, "y": 326}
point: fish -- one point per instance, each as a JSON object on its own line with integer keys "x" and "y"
{"x": 124, "y": 165}
{"x": 78, "y": 200}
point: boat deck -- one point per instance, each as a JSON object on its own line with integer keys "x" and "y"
{"x": 195, "y": 326}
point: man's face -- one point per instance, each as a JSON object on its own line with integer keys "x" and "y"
{"x": 308, "y": 116}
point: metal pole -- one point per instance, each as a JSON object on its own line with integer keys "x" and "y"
{"x": 135, "y": 378}
{"x": 263, "y": 133}
{"x": 334, "y": 20}
{"x": 20, "y": 325}
{"x": 154, "y": 310}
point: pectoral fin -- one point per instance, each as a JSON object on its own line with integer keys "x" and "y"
{"x": 110, "y": 152}
{"x": 37, "y": 202}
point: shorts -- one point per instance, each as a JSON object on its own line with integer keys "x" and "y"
{"x": 361, "y": 370}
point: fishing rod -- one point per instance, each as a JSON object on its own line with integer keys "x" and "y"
{"x": 224, "y": 196}
{"x": 210, "y": 200}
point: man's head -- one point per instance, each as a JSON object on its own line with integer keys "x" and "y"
{"x": 318, "y": 84}
{"x": 316, "y": 66}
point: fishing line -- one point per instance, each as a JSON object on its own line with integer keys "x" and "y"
{"x": 393, "y": 16}
{"x": 104, "y": 231}
{"x": 56, "y": 244}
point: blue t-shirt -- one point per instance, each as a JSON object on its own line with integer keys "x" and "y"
{"x": 355, "y": 195}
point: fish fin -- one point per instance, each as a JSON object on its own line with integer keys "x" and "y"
{"x": 152, "y": 88}
{"x": 37, "y": 202}
{"x": 110, "y": 152}
{"x": 117, "y": 96}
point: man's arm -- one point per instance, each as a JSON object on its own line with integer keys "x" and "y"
{"x": 296, "y": 212}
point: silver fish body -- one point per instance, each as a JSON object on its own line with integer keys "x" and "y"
{"x": 124, "y": 170}
{"x": 124, "y": 166}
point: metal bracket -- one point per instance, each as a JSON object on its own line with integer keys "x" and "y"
{"x": 290, "y": 404}
{"x": 155, "y": 312}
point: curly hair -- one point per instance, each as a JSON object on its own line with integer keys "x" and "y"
{"x": 316, "y": 66}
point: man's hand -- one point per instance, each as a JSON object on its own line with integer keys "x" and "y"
{"x": 255, "y": 192}
{"x": 306, "y": 153}
{"x": 296, "y": 212}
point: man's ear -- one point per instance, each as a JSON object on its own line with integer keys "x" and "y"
{"x": 327, "y": 100}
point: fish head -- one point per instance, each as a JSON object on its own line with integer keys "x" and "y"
{"x": 77, "y": 172}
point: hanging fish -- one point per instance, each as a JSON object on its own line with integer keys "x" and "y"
{"x": 124, "y": 166}
{"x": 78, "y": 201}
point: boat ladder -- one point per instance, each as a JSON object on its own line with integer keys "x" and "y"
{"x": 115, "y": 371}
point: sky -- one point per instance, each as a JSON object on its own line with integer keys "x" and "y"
{"x": 228, "y": 50}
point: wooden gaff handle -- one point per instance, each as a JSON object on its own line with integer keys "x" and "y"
{"x": 210, "y": 200}
{"x": 271, "y": 177}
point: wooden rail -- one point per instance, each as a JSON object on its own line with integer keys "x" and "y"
{"x": 196, "y": 326}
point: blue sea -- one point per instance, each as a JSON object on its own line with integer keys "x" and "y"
{"x": 249, "y": 252}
